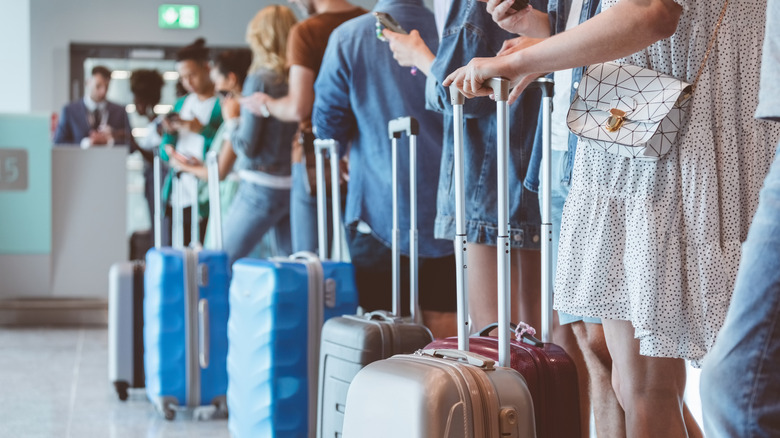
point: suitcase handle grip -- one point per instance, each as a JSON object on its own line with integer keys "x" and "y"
{"x": 408, "y": 125}
{"x": 527, "y": 337}
{"x": 472, "y": 358}
{"x": 203, "y": 332}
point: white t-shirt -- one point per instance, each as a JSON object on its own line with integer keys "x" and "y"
{"x": 192, "y": 143}
{"x": 562, "y": 96}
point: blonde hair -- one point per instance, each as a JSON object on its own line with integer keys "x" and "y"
{"x": 267, "y": 35}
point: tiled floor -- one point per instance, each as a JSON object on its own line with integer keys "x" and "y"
{"x": 53, "y": 383}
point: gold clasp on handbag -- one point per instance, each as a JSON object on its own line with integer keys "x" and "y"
{"x": 615, "y": 122}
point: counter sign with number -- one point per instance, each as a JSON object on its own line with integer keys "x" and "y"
{"x": 13, "y": 169}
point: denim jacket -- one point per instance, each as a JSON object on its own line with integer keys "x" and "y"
{"x": 359, "y": 89}
{"x": 558, "y": 12}
{"x": 469, "y": 32}
{"x": 263, "y": 143}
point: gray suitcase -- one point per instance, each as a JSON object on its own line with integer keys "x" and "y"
{"x": 447, "y": 393}
{"x": 351, "y": 342}
{"x": 125, "y": 312}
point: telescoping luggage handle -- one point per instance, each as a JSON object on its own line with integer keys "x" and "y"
{"x": 158, "y": 213}
{"x": 500, "y": 88}
{"x": 331, "y": 147}
{"x": 546, "y": 85}
{"x": 457, "y": 100}
{"x": 395, "y": 128}
{"x": 215, "y": 201}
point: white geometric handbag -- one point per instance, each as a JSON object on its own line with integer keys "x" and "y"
{"x": 633, "y": 111}
{"x": 628, "y": 110}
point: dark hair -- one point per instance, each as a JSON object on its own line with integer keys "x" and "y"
{"x": 147, "y": 85}
{"x": 102, "y": 71}
{"x": 196, "y": 51}
{"x": 180, "y": 90}
{"x": 236, "y": 61}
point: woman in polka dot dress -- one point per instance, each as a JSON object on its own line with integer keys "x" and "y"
{"x": 653, "y": 248}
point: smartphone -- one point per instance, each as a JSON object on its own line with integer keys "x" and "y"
{"x": 182, "y": 157}
{"x": 519, "y": 5}
{"x": 387, "y": 21}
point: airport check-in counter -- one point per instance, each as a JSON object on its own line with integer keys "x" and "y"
{"x": 62, "y": 224}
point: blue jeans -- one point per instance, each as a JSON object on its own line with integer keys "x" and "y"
{"x": 559, "y": 190}
{"x": 254, "y": 211}
{"x": 303, "y": 213}
{"x": 740, "y": 382}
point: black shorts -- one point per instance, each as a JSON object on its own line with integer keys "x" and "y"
{"x": 374, "y": 276}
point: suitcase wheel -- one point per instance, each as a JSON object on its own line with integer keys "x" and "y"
{"x": 121, "y": 389}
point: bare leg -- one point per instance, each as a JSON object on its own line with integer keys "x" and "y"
{"x": 608, "y": 415}
{"x": 563, "y": 335}
{"x": 483, "y": 286}
{"x": 650, "y": 389}
{"x": 441, "y": 324}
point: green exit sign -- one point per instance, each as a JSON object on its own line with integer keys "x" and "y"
{"x": 178, "y": 16}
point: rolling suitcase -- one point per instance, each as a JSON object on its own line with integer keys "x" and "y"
{"x": 278, "y": 307}
{"x": 351, "y": 342}
{"x": 548, "y": 370}
{"x": 442, "y": 392}
{"x": 126, "y": 316}
{"x": 185, "y": 317}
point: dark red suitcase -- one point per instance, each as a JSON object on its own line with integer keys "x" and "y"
{"x": 549, "y": 372}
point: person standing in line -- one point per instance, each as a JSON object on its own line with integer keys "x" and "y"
{"x": 652, "y": 247}
{"x": 262, "y": 144}
{"x": 469, "y": 31}
{"x": 354, "y": 102}
{"x": 305, "y": 49}
{"x": 189, "y": 133}
{"x": 740, "y": 381}
{"x": 93, "y": 120}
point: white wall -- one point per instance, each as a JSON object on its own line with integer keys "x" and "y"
{"x": 15, "y": 56}
{"x": 54, "y": 24}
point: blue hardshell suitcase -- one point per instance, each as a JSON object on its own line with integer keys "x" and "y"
{"x": 278, "y": 307}
{"x": 185, "y": 323}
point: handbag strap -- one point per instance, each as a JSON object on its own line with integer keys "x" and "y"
{"x": 710, "y": 45}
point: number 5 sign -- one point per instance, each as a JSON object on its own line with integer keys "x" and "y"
{"x": 13, "y": 169}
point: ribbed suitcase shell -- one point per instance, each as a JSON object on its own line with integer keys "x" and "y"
{"x": 551, "y": 378}
{"x": 434, "y": 397}
{"x": 165, "y": 339}
{"x": 268, "y": 359}
{"x": 125, "y": 326}
{"x": 349, "y": 343}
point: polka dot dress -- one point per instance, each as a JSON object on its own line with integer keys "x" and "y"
{"x": 658, "y": 243}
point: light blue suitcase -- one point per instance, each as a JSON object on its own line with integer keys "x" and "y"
{"x": 185, "y": 319}
{"x": 278, "y": 307}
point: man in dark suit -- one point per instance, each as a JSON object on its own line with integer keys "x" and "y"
{"x": 94, "y": 121}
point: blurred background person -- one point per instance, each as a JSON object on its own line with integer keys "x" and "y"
{"x": 306, "y": 47}
{"x": 189, "y": 133}
{"x": 146, "y": 86}
{"x": 93, "y": 120}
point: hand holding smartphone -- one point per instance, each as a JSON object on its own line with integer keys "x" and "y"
{"x": 519, "y": 5}
{"x": 386, "y": 21}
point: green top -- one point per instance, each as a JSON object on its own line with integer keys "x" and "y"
{"x": 208, "y": 132}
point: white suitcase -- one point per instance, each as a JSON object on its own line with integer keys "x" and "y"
{"x": 446, "y": 393}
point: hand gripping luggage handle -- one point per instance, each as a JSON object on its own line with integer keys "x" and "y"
{"x": 547, "y": 86}
{"x": 395, "y": 128}
{"x": 471, "y": 358}
{"x": 457, "y": 100}
{"x": 332, "y": 147}
{"x": 203, "y": 333}
{"x": 215, "y": 202}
